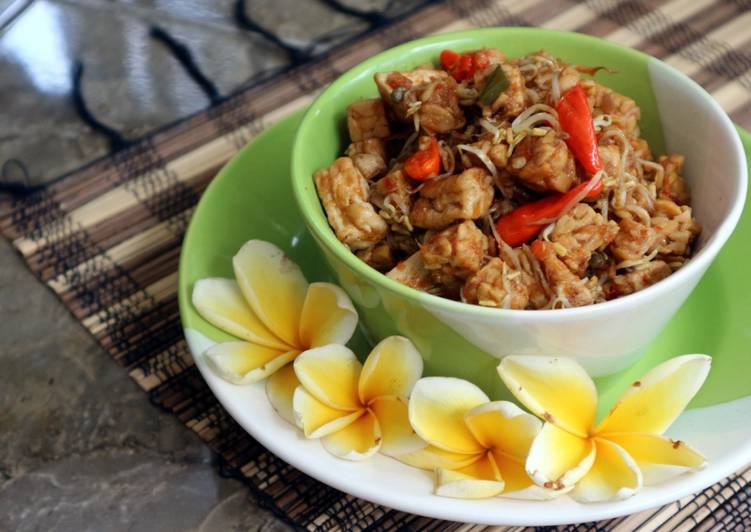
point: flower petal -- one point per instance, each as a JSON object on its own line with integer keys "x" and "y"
{"x": 331, "y": 373}
{"x": 357, "y": 441}
{"x": 613, "y": 476}
{"x": 513, "y": 472}
{"x": 273, "y": 286}
{"x": 558, "y": 459}
{"x": 555, "y": 389}
{"x": 503, "y": 427}
{"x": 317, "y": 419}
{"x": 436, "y": 412}
{"x": 653, "y": 402}
{"x": 518, "y": 483}
{"x": 658, "y": 457}
{"x": 220, "y": 302}
{"x": 328, "y": 316}
{"x": 432, "y": 458}
{"x": 280, "y": 389}
{"x": 391, "y": 370}
{"x": 478, "y": 480}
{"x": 245, "y": 363}
{"x": 398, "y": 435}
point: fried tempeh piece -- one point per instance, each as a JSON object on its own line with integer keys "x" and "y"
{"x": 568, "y": 287}
{"x": 636, "y": 280}
{"x": 544, "y": 164}
{"x": 497, "y": 285}
{"x": 344, "y": 194}
{"x": 675, "y": 224}
{"x": 413, "y": 273}
{"x": 366, "y": 119}
{"x": 466, "y": 196}
{"x": 578, "y": 234}
{"x": 369, "y": 156}
{"x": 454, "y": 254}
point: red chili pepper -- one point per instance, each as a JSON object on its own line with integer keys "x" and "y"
{"x": 576, "y": 120}
{"x": 462, "y": 66}
{"x": 449, "y": 58}
{"x": 525, "y": 222}
{"x": 424, "y": 163}
{"x": 538, "y": 249}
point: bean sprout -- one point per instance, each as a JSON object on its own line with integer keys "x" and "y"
{"x": 659, "y": 172}
{"x": 555, "y": 87}
{"x": 492, "y": 129}
{"x": 530, "y": 111}
{"x": 636, "y": 262}
{"x": 477, "y": 152}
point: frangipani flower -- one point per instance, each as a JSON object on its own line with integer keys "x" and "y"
{"x": 274, "y": 312}
{"x": 356, "y": 409}
{"x": 477, "y": 447}
{"x": 608, "y": 461}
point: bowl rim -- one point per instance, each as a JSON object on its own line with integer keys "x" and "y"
{"x": 694, "y": 268}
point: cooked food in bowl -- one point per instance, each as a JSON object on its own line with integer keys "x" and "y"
{"x": 515, "y": 183}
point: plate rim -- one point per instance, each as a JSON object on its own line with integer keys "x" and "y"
{"x": 660, "y": 494}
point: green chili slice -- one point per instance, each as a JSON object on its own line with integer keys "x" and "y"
{"x": 497, "y": 83}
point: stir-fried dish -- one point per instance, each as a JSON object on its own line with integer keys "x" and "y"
{"x": 515, "y": 183}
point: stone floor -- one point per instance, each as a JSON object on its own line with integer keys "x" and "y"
{"x": 82, "y": 447}
{"x": 130, "y": 81}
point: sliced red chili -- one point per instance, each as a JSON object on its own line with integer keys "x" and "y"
{"x": 449, "y": 58}
{"x": 463, "y": 66}
{"x": 424, "y": 163}
{"x": 576, "y": 120}
{"x": 526, "y": 222}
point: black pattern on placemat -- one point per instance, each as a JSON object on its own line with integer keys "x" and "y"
{"x": 486, "y": 13}
{"x": 725, "y": 514}
{"x": 626, "y": 12}
{"x": 143, "y": 172}
{"x": 312, "y": 77}
{"x": 465, "y": 9}
{"x": 236, "y": 120}
{"x": 104, "y": 290}
{"x": 390, "y": 36}
{"x": 735, "y": 512}
{"x": 136, "y": 160}
{"x": 63, "y": 245}
{"x": 143, "y": 335}
{"x": 30, "y": 214}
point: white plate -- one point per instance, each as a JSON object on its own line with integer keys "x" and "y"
{"x": 722, "y": 432}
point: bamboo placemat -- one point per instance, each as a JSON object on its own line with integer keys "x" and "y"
{"x": 106, "y": 238}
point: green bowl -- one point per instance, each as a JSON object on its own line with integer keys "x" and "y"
{"x": 466, "y": 341}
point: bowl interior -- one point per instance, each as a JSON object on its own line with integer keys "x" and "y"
{"x": 715, "y": 165}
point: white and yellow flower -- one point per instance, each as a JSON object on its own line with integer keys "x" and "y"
{"x": 611, "y": 460}
{"x": 476, "y": 447}
{"x": 274, "y": 312}
{"x": 356, "y": 409}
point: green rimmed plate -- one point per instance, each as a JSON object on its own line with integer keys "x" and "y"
{"x": 251, "y": 198}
